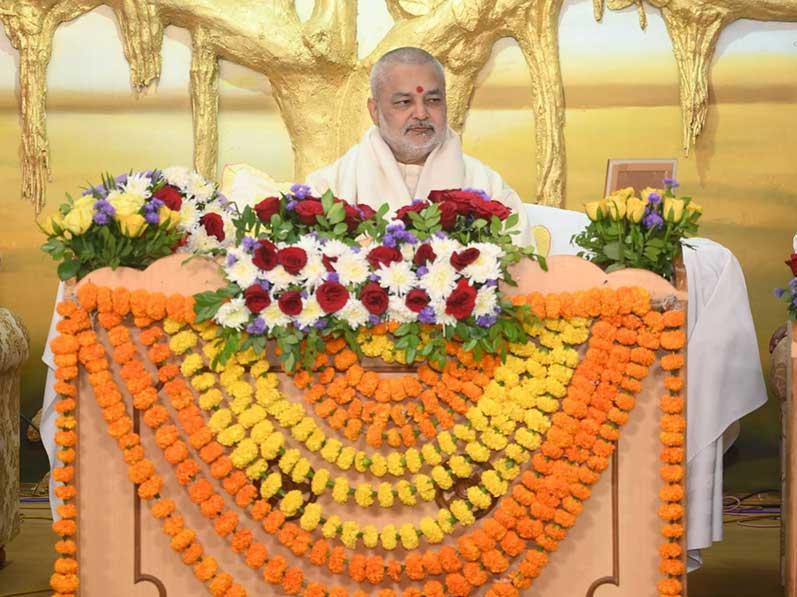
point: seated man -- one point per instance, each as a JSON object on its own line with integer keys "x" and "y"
{"x": 410, "y": 150}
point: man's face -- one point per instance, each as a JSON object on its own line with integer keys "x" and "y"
{"x": 410, "y": 111}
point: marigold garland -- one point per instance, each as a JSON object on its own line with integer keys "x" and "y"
{"x": 533, "y": 516}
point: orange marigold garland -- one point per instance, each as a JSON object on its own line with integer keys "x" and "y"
{"x": 673, "y": 471}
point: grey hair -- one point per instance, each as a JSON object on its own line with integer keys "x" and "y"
{"x": 405, "y": 55}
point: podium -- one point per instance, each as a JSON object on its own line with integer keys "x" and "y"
{"x": 613, "y": 549}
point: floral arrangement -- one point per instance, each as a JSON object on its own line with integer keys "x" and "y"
{"x": 308, "y": 268}
{"x": 789, "y": 293}
{"x": 134, "y": 219}
{"x": 513, "y": 465}
{"x": 645, "y": 232}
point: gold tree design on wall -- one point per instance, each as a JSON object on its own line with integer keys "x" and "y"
{"x": 320, "y": 85}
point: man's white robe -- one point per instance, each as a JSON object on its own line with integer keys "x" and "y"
{"x": 368, "y": 173}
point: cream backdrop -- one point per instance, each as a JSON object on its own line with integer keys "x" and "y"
{"x": 621, "y": 92}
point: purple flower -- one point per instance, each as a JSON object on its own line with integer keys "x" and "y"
{"x": 154, "y": 205}
{"x": 121, "y": 179}
{"x": 491, "y": 283}
{"x": 152, "y": 217}
{"x": 373, "y": 319}
{"x": 422, "y": 271}
{"x": 654, "y": 198}
{"x": 249, "y": 244}
{"x": 102, "y": 218}
{"x": 389, "y": 240}
{"x": 486, "y": 321}
{"x": 291, "y": 205}
{"x": 793, "y": 284}
{"x": 231, "y": 260}
{"x": 396, "y": 228}
{"x": 332, "y": 277}
{"x": 320, "y": 324}
{"x": 427, "y": 315}
{"x": 102, "y": 206}
{"x": 440, "y": 234}
{"x": 257, "y": 327}
{"x": 223, "y": 201}
{"x": 779, "y": 292}
{"x": 264, "y": 284}
{"x": 374, "y": 278}
{"x": 301, "y": 191}
{"x": 479, "y": 192}
{"x": 671, "y": 183}
{"x": 410, "y": 238}
{"x": 416, "y": 201}
{"x": 652, "y": 220}
{"x": 304, "y": 294}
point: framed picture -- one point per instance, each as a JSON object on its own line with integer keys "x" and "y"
{"x": 638, "y": 173}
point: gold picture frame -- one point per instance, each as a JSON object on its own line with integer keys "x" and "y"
{"x": 638, "y": 173}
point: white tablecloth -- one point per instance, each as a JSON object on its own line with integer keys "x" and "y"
{"x": 725, "y": 381}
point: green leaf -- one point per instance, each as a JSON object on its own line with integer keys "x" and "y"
{"x": 327, "y": 200}
{"x": 612, "y": 250}
{"x": 68, "y": 269}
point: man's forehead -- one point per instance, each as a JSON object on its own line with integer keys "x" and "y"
{"x": 408, "y": 78}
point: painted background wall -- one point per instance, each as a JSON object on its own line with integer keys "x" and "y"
{"x": 622, "y": 102}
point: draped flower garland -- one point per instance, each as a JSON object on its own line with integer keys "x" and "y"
{"x": 508, "y": 450}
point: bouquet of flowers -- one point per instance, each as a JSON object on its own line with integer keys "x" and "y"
{"x": 307, "y": 268}
{"x": 645, "y": 232}
{"x": 789, "y": 294}
{"x": 134, "y": 219}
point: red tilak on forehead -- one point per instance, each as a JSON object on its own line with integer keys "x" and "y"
{"x": 419, "y": 89}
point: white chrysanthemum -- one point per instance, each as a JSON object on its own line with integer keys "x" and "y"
{"x": 397, "y": 277}
{"x": 443, "y": 247}
{"x": 486, "y": 301}
{"x": 309, "y": 243}
{"x": 138, "y": 184}
{"x": 313, "y": 272}
{"x": 354, "y": 313}
{"x": 177, "y": 176}
{"x": 243, "y": 272}
{"x": 280, "y": 279}
{"x": 200, "y": 241}
{"x": 440, "y": 280}
{"x": 442, "y": 317}
{"x": 352, "y": 268}
{"x": 335, "y": 248}
{"x": 229, "y": 231}
{"x": 397, "y": 310}
{"x": 407, "y": 251}
{"x": 273, "y": 316}
{"x": 198, "y": 187}
{"x": 233, "y": 314}
{"x": 311, "y": 312}
{"x": 487, "y": 265}
{"x": 189, "y": 215}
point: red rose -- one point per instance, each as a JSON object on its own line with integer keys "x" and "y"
{"x": 374, "y": 298}
{"x": 461, "y": 301}
{"x": 403, "y": 214}
{"x": 265, "y": 255}
{"x": 332, "y": 296}
{"x": 367, "y": 211}
{"x": 329, "y": 262}
{"x": 307, "y": 211}
{"x": 488, "y": 209}
{"x": 292, "y": 259}
{"x": 424, "y": 254}
{"x": 462, "y": 259}
{"x": 416, "y": 300}
{"x": 792, "y": 263}
{"x": 383, "y": 256}
{"x": 448, "y": 215}
{"x": 290, "y": 302}
{"x": 267, "y": 208}
{"x": 354, "y": 216}
{"x": 213, "y": 225}
{"x": 171, "y": 197}
{"x": 256, "y": 298}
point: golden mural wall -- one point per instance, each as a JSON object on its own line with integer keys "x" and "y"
{"x": 541, "y": 91}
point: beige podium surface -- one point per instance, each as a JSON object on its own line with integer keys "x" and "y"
{"x": 611, "y": 552}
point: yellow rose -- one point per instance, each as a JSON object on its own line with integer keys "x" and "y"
{"x": 50, "y": 224}
{"x": 673, "y": 209}
{"x": 78, "y": 221}
{"x": 645, "y": 194}
{"x": 635, "y": 209}
{"x": 84, "y": 202}
{"x": 133, "y": 225}
{"x": 594, "y": 210}
{"x": 616, "y": 207}
{"x": 625, "y": 193}
{"x": 694, "y": 208}
{"x": 169, "y": 218}
{"x": 125, "y": 204}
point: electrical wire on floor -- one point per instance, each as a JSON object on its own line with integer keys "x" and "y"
{"x": 751, "y": 509}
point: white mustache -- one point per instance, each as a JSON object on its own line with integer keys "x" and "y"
{"x": 419, "y": 125}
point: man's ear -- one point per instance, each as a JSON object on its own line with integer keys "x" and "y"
{"x": 373, "y": 111}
